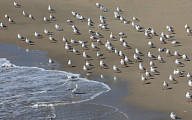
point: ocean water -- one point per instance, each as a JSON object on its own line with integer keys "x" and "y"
{"x": 32, "y": 92}
{"x": 29, "y": 90}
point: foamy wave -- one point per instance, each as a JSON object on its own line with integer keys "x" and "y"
{"x": 35, "y": 89}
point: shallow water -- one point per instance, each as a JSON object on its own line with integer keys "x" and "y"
{"x": 28, "y": 92}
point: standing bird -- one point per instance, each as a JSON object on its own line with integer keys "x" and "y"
{"x": 16, "y": 5}
{"x": 115, "y": 69}
{"x": 85, "y": 69}
{"x": 165, "y": 85}
{"x": 51, "y": 61}
{"x": 168, "y": 53}
{"x": 151, "y": 45}
{"x": 160, "y": 59}
{"x": 50, "y": 9}
{"x": 20, "y": 37}
{"x": 47, "y": 32}
{"x": 37, "y": 35}
{"x": 111, "y": 36}
{"x": 3, "y": 26}
{"x": 188, "y": 96}
{"x": 185, "y": 58}
{"x": 148, "y": 75}
{"x": 173, "y": 116}
{"x": 58, "y": 28}
{"x": 25, "y": 14}
{"x": 122, "y": 62}
{"x": 178, "y": 62}
{"x": 69, "y": 64}
{"x": 141, "y": 68}
{"x": 98, "y": 55}
{"x": 153, "y": 70}
{"x": 190, "y": 84}
{"x": 136, "y": 58}
{"x": 102, "y": 64}
{"x": 172, "y": 80}
{"x": 138, "y": 52}
{"x": 143, "y": 79}
{"x": 189, "y": 76}
{"x": 87, "y": 63}
{"x": 85, "y": 55}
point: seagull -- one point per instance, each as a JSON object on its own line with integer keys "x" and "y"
{"x": 176, "y": 54}
{"x": 122, "y": 62}
{"x": 147, "y": 73}
{"x": 28, "y": 41}
{"x": 73, "y": 41}
{"x": 51, "y": 38}
{"x": 161, "y": 49}
{"x": 87, "y": 63}
{"x": 92, "y": 37}
{"x": 51, "y": 17}
{"x": 46, "y": 20}
{"x": 50, "y": 9}
{"x": 65, "y": 40}
{"x": 184, "y": 57}
{"x": 138, "y": 52}
{"x": 20, "y": 36}
{"x": 189, "y": 76}
{"x": 2, "y": 26}
{"x": 153, "y": 70}
{"x": 85, "y": 55}
{"x": 51, "y": 61}
{"x": 67, "y": 47}
{"x": 102, "y": 64}
{"x": 47, "y": 32}
{"x": 188, "y": 32}
{"x": 121, "y": 40}
{"x": 85, "y": 68}
{"x": 175, "y": 43}
{"x": 162, "y": 35}
{"x": 75, "y": 51}
{"x": 172, "y": 80}
{"x": 141, "y": 68}
{"x": 58, "y": 28}
{"x": 98, "y": 5}
{"x": 136, "y": 57}
{"x": 168, "y": 52}
{"x": 16, "y": 5}
{"x": 94, "y": 46}
{"x": 151, "y": 63}
{"x": 188, "y": 96}
{"x": 115, "y": 68}
{"x": 150, "y": 55}
{"x": 73, "y": 13}
{"x": 160, "y": 59}
{"x": 121, "y": 54}
{"x": 186, "y": 26}
{"x": 173, "y": 116}
{"x": 151, "y": 44}
{"x": 25, "y": 14}
{"x": 135, "y": 19}
{"x": 127, "y": 59}
{"x": 31, "y": 17}
{"x": 11, "y": 21}
{"x": 6, "y": 16}
{"x": 98, "y": 34}
{"x": 69, "y": 21}
{"x": 69, "y": 63}
{"x": 147, "y": 35}
{"x": 98, "y": 55}
{"x": 177, "y": 72}
{"x": 165, "y": 85}
{"x": 37, "y": 35}
{"x": 178, "y": 62}
{"x": 162, "y": 40}
{"x": 75, "y": 89}
{"x": 153, "y": 32}
{"x": 118, "y": 9}
{"x": 121, "y": 34}
{"x": 90, "y": 32}
{"x": 143, "y": 79}
{"x": 190, "y": 84}
{"x": 99, "y": 42}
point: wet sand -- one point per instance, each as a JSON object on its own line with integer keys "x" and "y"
{"x": 151, "y": 13}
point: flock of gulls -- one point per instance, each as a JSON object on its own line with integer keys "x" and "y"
{"x": 97, "y": 43}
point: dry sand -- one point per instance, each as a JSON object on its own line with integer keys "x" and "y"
{"x": 151, "y": 13}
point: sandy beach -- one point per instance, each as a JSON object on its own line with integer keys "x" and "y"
{"x": 151, "y": 14}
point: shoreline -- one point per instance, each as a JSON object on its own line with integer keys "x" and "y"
{"x": 117, "y": 92}
{"x": 172, "y": 100}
